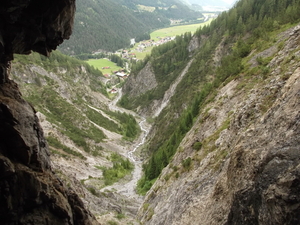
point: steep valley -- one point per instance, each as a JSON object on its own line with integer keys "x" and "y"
{"x": 52, "y": 90}
{"x": 207, "y": 126}
{"x": 240, "y": 154}
{"x": 238, "y": 162}
{"x": 247, "y": 165}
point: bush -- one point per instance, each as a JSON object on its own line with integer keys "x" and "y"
{"x": 112, "y": 222}
{"x": 120, "y": 216}
{"x": 93, "y": 191}
{"x": 121, "y": 167}
{"x": 187, "y": 163}
{"x": 197, "y": 145}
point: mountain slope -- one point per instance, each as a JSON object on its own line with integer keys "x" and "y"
{"x": 231, "y": 113}
{"x": 85, "y": 137}
{"x": 109, "y": 25}
{"x": 240, "y": 161}
{"x": 31, "y": 192}
{"x": 105, "y": 25}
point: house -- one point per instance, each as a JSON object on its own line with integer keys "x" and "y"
{"x": 120, "y": 74}
{"x": 113, "y": 91}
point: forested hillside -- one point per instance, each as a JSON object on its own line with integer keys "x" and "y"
{"x": 109, "y": 25}
{"x": 106, "y": 25}
{"x": 221, "y": 57}
{"x": 171, "y": 9}
{"x": 225, "y": 148}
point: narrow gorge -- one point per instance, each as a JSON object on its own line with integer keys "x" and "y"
{"x": 210, "y": 122}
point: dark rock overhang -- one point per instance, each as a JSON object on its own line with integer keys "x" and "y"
{"x": 30, "y": 192}
{"x": 32, "y": 25}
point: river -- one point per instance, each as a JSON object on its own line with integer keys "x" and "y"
{"x": 128, "y": 188}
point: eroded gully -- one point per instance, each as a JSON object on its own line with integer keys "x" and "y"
{"x": 128, "y": 188}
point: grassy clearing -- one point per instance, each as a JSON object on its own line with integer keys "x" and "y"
{"x": 142, "y": 55}
{"x": 167, "y": 32}
{"x": 121, "y": 167}
{"x": 99, "y": 63}
{"x": 146, "y": 8}
{"x": 177, "y": 30}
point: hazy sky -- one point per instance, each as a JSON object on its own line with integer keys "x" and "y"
{"x": 229, "y": 1}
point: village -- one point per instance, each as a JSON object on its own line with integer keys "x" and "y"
{"x": 127, "y": 55}
{"x": 138, "y": 51}
{"x": 143, "y": 45}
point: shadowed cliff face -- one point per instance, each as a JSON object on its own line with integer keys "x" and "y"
{"x": 36, "y": 25}
{"x": 30, "y": 193}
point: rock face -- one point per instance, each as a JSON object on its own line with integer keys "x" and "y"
{"x": 247, "y": 168}
{"x": 33, "y": 25}
{"x": 141, "y": 83}
{"x": 30, "y": 193}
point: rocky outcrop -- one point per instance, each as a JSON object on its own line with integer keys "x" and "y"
{"x": 31, "y": 25}
{"x": 141, "y": 83}
{"x": 194, "y": 44}
{"x": 243, "y": 153}
{"x": 30, "y": 192}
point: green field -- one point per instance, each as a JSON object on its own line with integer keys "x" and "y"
{"x": 177, "y": 30}
{"x": 99, "y": 63}
{"x": 141, "y": 55}
{"x": 146, "y": 8}
{"x": 165, "y": 32}
{"x": 168, "y": 32}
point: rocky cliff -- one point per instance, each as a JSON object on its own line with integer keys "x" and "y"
{"x": 30, "y": 191}
{"x": 239, "y": 164}
{"x": 141, "y": 83}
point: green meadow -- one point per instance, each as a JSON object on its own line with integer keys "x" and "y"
{"x": 165, "y": 32}
{"x": 99, "y": 63}
{"x": 177, "y": 30}
{"x": 168, "y": 32}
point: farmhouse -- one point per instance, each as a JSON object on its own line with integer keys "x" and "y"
{"x": 113, "y": 91}
{"x": 120, "y": 74}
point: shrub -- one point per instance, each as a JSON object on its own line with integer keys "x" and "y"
{"x": 120, "y": 216}
{"x": 112, "y": 222}
{"x": 187, "y": 163}
{"x": 121, "y": 167}
{"x": 197, "y": 145}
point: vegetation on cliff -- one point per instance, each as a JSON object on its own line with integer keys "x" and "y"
{"x": 66, "y": 102}
{"x": 249, "y": 26}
